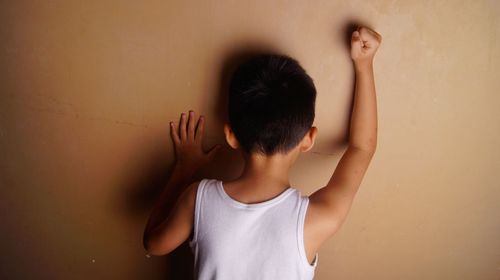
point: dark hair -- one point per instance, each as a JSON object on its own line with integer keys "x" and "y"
{"x": 271, "y": 104}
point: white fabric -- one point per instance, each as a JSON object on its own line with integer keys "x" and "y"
{"x": 233, "y": 240}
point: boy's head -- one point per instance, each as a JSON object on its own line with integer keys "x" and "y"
{"x": 271, "y": 106}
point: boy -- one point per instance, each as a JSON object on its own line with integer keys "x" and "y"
{"x": 258, "y": 226}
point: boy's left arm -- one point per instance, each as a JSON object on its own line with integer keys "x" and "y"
{"x": 171, "y": 220}
{"x": 175, "y": 229}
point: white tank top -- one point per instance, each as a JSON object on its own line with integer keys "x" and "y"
{"x": 234, "y": 240}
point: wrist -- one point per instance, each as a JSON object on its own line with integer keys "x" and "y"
{"x": 184, "y": 169}
{"x": 363, "y": 66}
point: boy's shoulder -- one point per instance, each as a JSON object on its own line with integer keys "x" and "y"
{"x": 193, "y": 187}
{"x": 188, "y": 195}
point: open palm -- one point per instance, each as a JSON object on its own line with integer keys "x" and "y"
{"x": 188, "y": 140}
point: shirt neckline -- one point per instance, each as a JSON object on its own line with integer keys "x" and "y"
{"x": 239, "y": 204}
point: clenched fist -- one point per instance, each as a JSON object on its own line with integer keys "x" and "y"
{"x": 364, "y": 44}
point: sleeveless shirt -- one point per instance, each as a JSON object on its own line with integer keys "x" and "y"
{"x": 234, "y": 240}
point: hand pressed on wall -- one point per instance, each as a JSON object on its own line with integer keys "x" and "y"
{"x": 188, "y": 139}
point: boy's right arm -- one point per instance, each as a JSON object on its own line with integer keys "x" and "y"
{"x": 329, "y": 205}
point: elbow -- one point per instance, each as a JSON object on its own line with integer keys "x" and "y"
{"x": 152, "y": 247}
{"x": 369, "y": 146}
{"x": 153, "y": 250}
{"x": 367, "y": 149}
{"x": 146, "y": 243}
{"x": 372, "y": 148}
{"x": 156, "y": 245}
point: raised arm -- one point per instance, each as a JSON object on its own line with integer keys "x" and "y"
{"x": 332, "y": 202}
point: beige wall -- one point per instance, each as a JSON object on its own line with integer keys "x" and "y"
{"x": 87, "y": 91}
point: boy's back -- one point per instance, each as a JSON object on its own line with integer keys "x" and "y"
{"x": 271, "y": 110}
{"x": 236, "y": 240}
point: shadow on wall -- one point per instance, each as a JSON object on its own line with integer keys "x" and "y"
{"x": 144, "y": 184}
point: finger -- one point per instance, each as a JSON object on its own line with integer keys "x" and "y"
{"x": 368, "y": 35}
{"x": 374, "y": 33}
{"x": 200, "y": 128}
{"x": 191, "y": 126}
{"x": 363, "y": 37}
{"x": 356, "y": 42}
{"x": 213, "y": 151}
{"x": 365, "y": 31}
{"x": 173, "y": 134}
{"x": 182, "y": 127}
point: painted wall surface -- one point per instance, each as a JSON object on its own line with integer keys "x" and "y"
{"x": 87, "y": 89}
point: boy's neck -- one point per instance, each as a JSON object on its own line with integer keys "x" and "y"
{"x": 270, "y": 172}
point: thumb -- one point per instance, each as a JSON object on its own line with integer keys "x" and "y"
{"x": 356, "y": 40}
{"x": 213, "y": 151}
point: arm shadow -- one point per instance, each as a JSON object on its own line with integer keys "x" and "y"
{"x": 145, "y": 181}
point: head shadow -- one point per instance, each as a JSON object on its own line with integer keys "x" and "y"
{"x": 145, "y": 181}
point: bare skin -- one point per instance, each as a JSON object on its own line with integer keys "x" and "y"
{"x": 264, "y": 178}
{"x": 330, "y": 205}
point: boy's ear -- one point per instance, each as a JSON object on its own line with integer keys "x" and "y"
{"x": 308, "y": 140}
{"x": 230, "y": 137}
